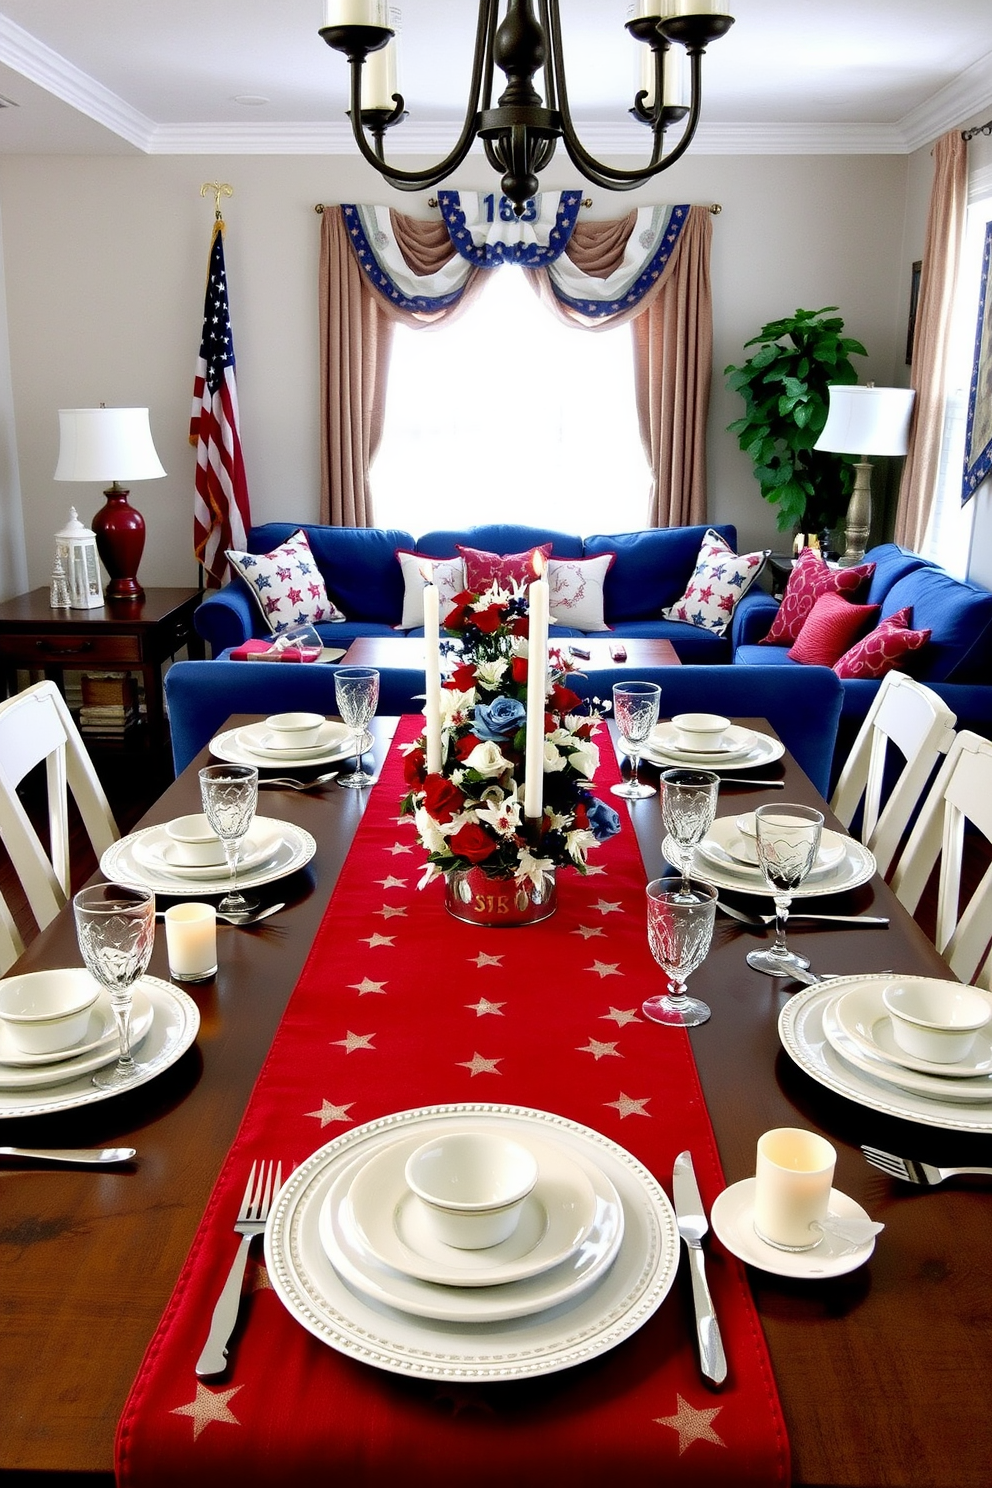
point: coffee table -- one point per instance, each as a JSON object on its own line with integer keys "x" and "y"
{"x": 408, "y": 651}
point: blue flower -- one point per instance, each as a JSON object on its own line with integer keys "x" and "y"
{"x": 499, "y": 719}
{"x": 603, "y": 820}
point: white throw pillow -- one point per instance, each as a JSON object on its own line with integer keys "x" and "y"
{"x": 721, "y": 577}
{"x": 448, "y": 574}
{"x": 287, "y": 584}
{"x": 576, "y": 586}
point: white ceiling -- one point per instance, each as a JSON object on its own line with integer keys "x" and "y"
{"x": 254, "y": 77}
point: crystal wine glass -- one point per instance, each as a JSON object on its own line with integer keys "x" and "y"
{"x": 230, "y": 794}
{"x": 357, "y": 692}
{"x": 788, "y": 840}
{"x": 635, "y": 707}
{"x": 680, "y": 928}
{"x": 115, "y": 927}
{"x": 688, "y": 806}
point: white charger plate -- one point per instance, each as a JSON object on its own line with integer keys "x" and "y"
{"x": 863, "y": 1017}
{"x": 855, "y": 868}
{"x": 458, "y": 1304}
{"x": 764, "y": 751}
{"x": 159, "y": 852}
{"x": 174, "y": 1024}
{"x": 726, "y": 844}
{"x": 393, "y": 1227}
{"x": 664, "y": 737}
{"x": 235, "y": 748}
{"x": 120, "y": 863}
{"x": 976, "y": 1091}
{"x": 632, "y": 1289}
{"x": 100, "y": 1041}
{"x": 800, "y": 1028}
{"x": 732, "y": 1218}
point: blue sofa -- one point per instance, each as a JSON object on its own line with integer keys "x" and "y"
{"x": 363, "y": 577}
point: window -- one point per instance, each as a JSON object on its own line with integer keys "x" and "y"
{"x": 507, "y": 415}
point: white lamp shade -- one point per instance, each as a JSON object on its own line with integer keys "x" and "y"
{"x": 867, "y": 420}
{"x": 106, "y": 444}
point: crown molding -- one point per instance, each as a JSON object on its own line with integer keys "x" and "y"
{"x": 968, "y": 94}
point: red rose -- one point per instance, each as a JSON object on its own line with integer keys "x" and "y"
{"x": 519, "y": 669}
{"x": 415, "y": 768}
{"x": 490, "y": 620}
{"x": 462, "y": 678}
{"x": 442, "y": 799}
{"x": 456, "y": 618}
{"x": 564, "y": 699}
{"x": 520, "y": 626}
{"x": 472, "y": 842}
{"x": 465, "y": 745}
{"x": 581, "y": 815}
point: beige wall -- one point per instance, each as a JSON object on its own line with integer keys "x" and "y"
{"x": 105, "y": 259}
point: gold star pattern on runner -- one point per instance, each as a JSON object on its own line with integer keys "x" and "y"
{"x": 391, "y": 883}
{"x": 587, "y": 930}
{"x": 693, "y": 1425}
{"x": 378, "y": 940}
{"x": 605, "y": 968}
{"x": 622, "y": 1016}
{"x": 627, "y": 1106}
{"x": 484, "y": 1006}
{"x": 608, "y": 906}
{"x": 599, "y": 1050}
{"x": 330, "y": 1112}
{"x": 483, "y": 960}
{"x": 400, "y": 847}
{"x": 367, "y": 985}
{"x": 390, "y": 911}
{"x": 595, "y": 868}
{"x": 354, "y": 1041}
{"x": 477, "y": 1065}
{"x": 209, "y": 1405}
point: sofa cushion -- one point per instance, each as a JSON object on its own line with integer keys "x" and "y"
{"x": 483, "y": 569}
{"x": 651, "y": 567}
{"x": 577, "y": 591}
{"x": 810, "y": 578}
{"x": 448, "y": 574}
{"x": 882, "y": 649}
{"x": 959, "y": 617}
{"x": 499, "y": 537}
{"x": 830, "y": 629}
{"x": 287, "y": 584}
{"x": 720, "y": 578}
{"x": 891, "y": 563}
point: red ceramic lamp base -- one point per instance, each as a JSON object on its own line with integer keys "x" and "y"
{"x": 120, "y": 541}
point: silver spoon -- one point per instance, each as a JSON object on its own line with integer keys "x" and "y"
{"x": 283, "y": 782}
{"x": 251, "y": 917}
{"x": 82, "y": 1155}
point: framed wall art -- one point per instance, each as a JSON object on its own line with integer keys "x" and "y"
{"x": 978, "y": 433}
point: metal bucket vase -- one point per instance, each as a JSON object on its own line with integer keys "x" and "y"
{"x": 497, "y": 903}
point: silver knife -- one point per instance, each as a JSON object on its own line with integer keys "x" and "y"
{"x": 692, "y": 1227}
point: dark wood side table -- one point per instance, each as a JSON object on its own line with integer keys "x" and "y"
{"x": 120, "y": 636}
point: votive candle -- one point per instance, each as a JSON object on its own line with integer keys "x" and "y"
{"x": 537, "y": 683}
{"x": 793, "y": 1176}
{"x": 432, "y": 672}
{"x": 191, "y": 941}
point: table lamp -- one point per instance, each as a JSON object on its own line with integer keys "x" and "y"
{"x": 867, "y": 421}
{"x": 115, "y": 444}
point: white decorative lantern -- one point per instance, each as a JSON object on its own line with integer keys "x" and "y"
{"x": 76, "y": 546}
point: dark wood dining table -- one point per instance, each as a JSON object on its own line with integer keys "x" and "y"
{"x": 883, "y": 1373}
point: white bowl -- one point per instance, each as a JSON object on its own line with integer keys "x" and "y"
{"x": 291, "y": 731}
{"x": 935, "y": 1020}
{"x": 195, "y": 841}
{"x": 701, "y": 732}
{"x": 47, "y": 1011}
{"x": 473, "y": 1185}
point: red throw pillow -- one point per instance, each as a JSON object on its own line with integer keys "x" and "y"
{"x": 830, "y": 629}
{"x": 483, "y": 569}
{"x": 883, "y": 648}
{"x": 810, "y": 578}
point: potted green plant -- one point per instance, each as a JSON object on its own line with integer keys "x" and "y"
{"x": 784, "y": 387}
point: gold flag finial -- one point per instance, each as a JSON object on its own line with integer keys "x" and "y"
{"x": 219, "y": 189}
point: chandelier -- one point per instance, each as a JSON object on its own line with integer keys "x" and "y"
{"x": 519, "y": 134}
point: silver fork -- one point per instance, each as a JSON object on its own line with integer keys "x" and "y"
{"x": 762, "y": 921}
{"x": 283, "y": 782}
{"x": 250, "y": 1222}
{"x": 912, "y": 1171}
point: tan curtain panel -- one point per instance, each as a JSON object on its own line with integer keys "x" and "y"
{"x": 941, "y": 254}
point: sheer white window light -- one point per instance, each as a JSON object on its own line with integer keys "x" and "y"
{"x": 508, "y": 415}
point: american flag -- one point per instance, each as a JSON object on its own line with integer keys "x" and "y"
{"x": 221, "y": 510}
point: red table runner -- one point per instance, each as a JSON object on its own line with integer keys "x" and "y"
{"x": 400, "y": 1006}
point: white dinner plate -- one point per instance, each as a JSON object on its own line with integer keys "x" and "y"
{"x": 727, "y": 845}
{"x": 460, "y": 1304}
{"x": 100, "y": 1041}
{"x": 856, "y": 867}
{"x": 664, "y": 737}
{"x": 120, "y": 863}
{"x": 174, "y": 1023}
{"x": 159, "y": 852}
{"x": 393, "y": 1226}
{"x": 976, "y": 1091}
{"x": 239, "y": 746}
{"x": 262, "y": 740}
{"x": 763, "y": 751}
{"x": 863, "y": 1017}
{"x": 628, "y": 1294}
{"x": 800, "y": 1028}
{"x": 732, "y": 1218}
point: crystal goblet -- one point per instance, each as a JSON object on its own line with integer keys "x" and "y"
{"x": 356, "y": 690}
{"x": 787, "y": 839}
{"x": 230, "y": 794}
{"x": 635, "y": 707}
{"x": 680, "y": 928}
{"x": 688, "y": 806}
{"x": 115, "y": 927}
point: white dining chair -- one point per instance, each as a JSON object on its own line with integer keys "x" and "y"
{"x": 961, "y": 794}
{"x": 11, "y": 944}
{"x": 906, "y": 717}
{"x": 35, "y": 727}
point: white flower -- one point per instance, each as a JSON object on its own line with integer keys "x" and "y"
{"x": 454, "y": 704}
{"x": 490, "y": 672}
{"x": 487, "y": 759}
{"x": 503, "y": 816}
{"x": 430, "y": 873}
{"x": 578, "y": 843}
{"x": 585, "y": 757}
{"x": 433, "y": 834}
{"x": 533, "y": 868}
{"x": 457, "y": 775}
{"x": 554, "y": 760}
{"x": 557, "y": 820}
{"x": 494, "y": 595}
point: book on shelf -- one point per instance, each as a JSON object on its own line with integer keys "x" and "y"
{"x": 109, "y": 690}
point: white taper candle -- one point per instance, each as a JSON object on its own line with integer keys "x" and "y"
{"x": 432, "y": 673}
{"x": 537, "y": 683}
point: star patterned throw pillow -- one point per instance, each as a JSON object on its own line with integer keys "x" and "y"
{"x": 883, "y": 649}
{"x": 810, "y": 578}
{"x": 287, "y": 584}
{"x": 721, "y": 577}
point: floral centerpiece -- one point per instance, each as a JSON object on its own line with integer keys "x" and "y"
{"x": 469, "y": 814}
